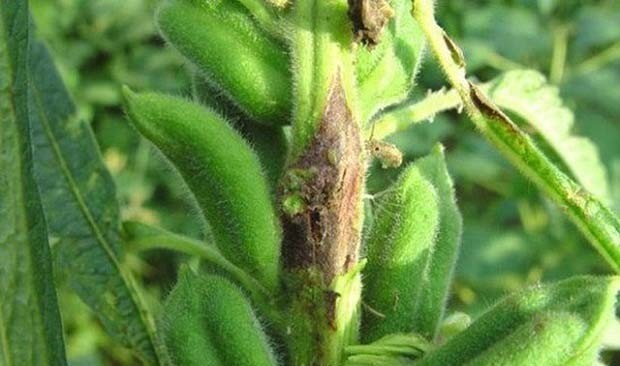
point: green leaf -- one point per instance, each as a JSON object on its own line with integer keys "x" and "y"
{"x": 412, "y": 249}
{"x": 558, "y": 324}
{"x": 30, "y": 324}
{"x": 209, "y": 321}
{"x": 386, "y": 74}
{"x": 527, "y": 94}
{"x": 592, "y": 217}
{"x": 347, "y": 311}
{"x": 79, "y": 202}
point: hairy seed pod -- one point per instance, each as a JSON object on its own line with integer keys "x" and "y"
{"x": 411, "y": 251}
{"x": 208, "y": 321}
{"x": 385, "y": 74}
{"x": 269, "y": 142}
{"x": 221, "y": 38}
{"x": 223, "y": 173}
{"x": 558, "y": 324}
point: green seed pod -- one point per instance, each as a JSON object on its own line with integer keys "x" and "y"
{"x": 223, "y": 173}
{"x": 558, "y": 324}
{"x": 385, "y": 74}
{"x": 411, "y": 250}
{"x": 222, "y": 39}
{"x": 269, "y": 142}
{"x": 208, "y": 321}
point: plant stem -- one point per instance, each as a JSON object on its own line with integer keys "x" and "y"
{"x": 595, "y": 220}
{"x": 558, "y": 60}
{"x": 320, "y": 192}
{"x": 599, "y": 60}
{"x": 502, "y": 63}
{"x": 425, "y": 110}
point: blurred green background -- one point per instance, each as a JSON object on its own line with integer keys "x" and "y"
{"x": 512, "y": 235}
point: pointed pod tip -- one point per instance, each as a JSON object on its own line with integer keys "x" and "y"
{"x": 128, "y": 94}
{"x": 129, "y": 103}
{"x": 185, "y": 270}
{"x": 438, "y": 149}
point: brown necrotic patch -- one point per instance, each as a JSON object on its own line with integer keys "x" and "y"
{"x": 490, "y": 109}
{"x": 325, "y": 233}
{"x": 369, "y": 17}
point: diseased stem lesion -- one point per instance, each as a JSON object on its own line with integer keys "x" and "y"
{"x": 328, "y": 180}
{"x": 369, "y": 18}
{"x": 320, "y": 191}
{"x": 321, "y": 214}
{"x": 595, "y": 220}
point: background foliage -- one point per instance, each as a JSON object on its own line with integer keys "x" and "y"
{"x": 512, "y": 235}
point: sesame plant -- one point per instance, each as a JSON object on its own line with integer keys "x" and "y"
{"x": 298, "y": 265}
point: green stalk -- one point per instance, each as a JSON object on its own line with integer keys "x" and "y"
{"x": 593, "y": 218}
{"x": 322, "y": 60}
{"x": 407, "y": 115}
{"x": 142, "y": 237}
{"x": 560, "y": 47}
{"x": 599, "y": 60}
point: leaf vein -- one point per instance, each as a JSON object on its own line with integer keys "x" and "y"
{"x": 144, "y": 316}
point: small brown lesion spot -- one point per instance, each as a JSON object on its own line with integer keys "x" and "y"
{"x": 369, "y": 18}
{"x": 331, "y": 298}
{"x": 489, "y": 109}
{"x": 455, "y": 51}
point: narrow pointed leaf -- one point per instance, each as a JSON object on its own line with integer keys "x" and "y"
{"x": 79, "y": 202}
{"x": 386, "y": 73}
{"x": 30, "y": 324}
{"x": 596, "y": 221}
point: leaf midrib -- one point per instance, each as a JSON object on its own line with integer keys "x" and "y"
{"x": 141, "y": 309}
{"x": 4, "y": 341}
